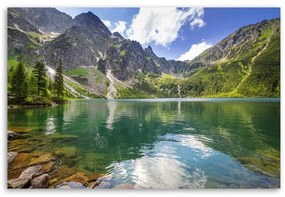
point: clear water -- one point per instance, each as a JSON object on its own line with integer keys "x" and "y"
{"x": 164, "y": 143}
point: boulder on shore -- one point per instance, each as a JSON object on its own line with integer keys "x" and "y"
{"x": 40, "y": 181}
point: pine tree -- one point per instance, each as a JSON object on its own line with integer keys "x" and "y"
{"x": 58, "y": 81}
{"x": 39, "y": 72}
{"x": 10, "y": 77}
{"x": 32, "y": 85}
{"x": 19, "y": 83}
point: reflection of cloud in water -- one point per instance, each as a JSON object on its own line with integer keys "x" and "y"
{"x": 159, "y": 173}
{"x": 189, "y": 129}
{"x": 50, "y": 127}
{"x": 161, "y": 167}
{"x": 193, "y": 142}
{"x": 112, "y": 106}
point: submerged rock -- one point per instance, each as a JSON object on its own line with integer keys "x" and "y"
{"x": 67, "y": 151}
{"x": 63, "y": 137}
{"x": 77, "y": 177}
{"x": 12, "y": 135}
{"x": 11, "y": 156}
{"x": 48, "y": 167}
{"x": 20, "y": 161}
{"x": 40, "y": 181}
{"x": 20, "y": 129}
{"x": 41, "y": 158}
{"x": 21, "y": 145}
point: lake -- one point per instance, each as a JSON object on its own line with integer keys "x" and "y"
{"x": 161, "y": 143}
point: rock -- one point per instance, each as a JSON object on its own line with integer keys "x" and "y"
{"x": 46, "y": 168}
{"x": 20, "y": 161}
{"x": 20, "y": 130}
{"x": 77, "y": 177}
{"x": 125, "y": 186}
{"x": 31, "y": 172}
{"x": 40, "y": 181}
{"x": 102, "y": 185}
{"x": 68, "y": 151}
{"x": 12, "y": 135}
{"x": 70, "y": 185}
{"x": 21, "y": 145}
{"x": 41, "y": 158}
{"x": 11, "y": 156}
{"x": 18, "y": 183}
{"x": 26, "y": 176}
{"x": 62, "y": 173}
{"x": 94, "y": 177}
{"x": 53, "y": 180}
{"x": 64, "y": 137}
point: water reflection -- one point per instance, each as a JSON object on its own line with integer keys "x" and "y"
{"x": 164, "y": 144}
{"x": 112, "y": 106}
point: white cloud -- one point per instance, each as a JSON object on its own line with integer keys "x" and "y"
{"x": 195, "y": 50}
{"x": 161, "y": 25}
{"x": 120, "y": 27}
{"x": 107, "y": 23}
{"x": 197, "y": 22}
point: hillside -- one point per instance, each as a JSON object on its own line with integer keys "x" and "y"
{"x": 245, "y": 64}
{"x": 95, "y": 61}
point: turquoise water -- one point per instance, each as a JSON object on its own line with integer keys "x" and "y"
{"x": 163, "y": 143}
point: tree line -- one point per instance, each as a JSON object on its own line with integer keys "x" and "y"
{"x": 36, "y": 87}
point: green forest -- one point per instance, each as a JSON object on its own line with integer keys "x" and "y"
{"x": 35, "y": 87}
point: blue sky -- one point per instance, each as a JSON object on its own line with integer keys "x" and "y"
{"x": 177, "y": 33}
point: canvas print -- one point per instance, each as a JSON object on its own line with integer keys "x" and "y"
{"x": 143, "y": 98}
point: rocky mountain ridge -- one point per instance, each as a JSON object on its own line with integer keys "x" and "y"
{"x": 88, "y": 50}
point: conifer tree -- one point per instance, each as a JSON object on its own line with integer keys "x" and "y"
{"x": 32, "y": 81}
{"x": 58, "y": 81}
{"x": 39, "y": 72}
{"x": 19, "y": 83}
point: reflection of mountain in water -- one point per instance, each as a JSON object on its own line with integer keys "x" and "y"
{"x": 132, "y": 136}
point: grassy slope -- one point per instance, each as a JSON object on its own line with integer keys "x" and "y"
{"x": 241, "y": 76}
{"x": 95, "y": 81}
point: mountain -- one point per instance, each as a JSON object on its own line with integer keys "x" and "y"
{"x": 244, "y": 64}
{"x": 43, "y": 19}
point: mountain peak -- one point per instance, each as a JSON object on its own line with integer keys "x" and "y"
{"x": 150, "y": 52}
{"x": 117, "y": 34}
{"x": 92, "y": 21}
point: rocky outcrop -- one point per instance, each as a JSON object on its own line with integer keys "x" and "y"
{"x": 176, "y": 68}
{"x": 24, "y": 180}
{"x": 127, "y": 57}
{"x": 23, "y": 168}
{"x": 44, "y": 19}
